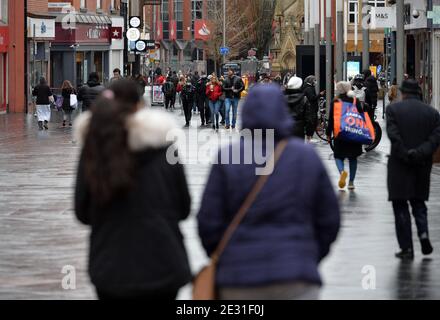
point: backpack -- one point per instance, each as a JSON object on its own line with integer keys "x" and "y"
{"x": 351, "y": 125}
{"x": 168, "y": 88}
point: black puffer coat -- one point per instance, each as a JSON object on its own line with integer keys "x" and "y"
{"x": 299, "y": 109}
{"x": 89, "y": 93}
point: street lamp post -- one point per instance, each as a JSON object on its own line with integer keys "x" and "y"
{"x": 340, "y": 41}
{"x": 328, "y": 54}
{"x": 400, "y": 41}
{"x": 345, "y": 39}
{"x": 317, "y": 42}
{"x": 124, "y": 13}
{"x": 365, "y": 38}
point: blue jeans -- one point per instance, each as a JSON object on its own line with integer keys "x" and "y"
{"x": 231, "y": 102}
{"x": 353, "y": 167}
{"x": 215, "y": 109}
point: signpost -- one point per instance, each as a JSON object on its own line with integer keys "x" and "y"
{"x": 224, "y": 51}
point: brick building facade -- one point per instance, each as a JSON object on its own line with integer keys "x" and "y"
{"x": 172, "y": 25}
{"x": 12, "y": 57}
{"x": 90, "y": 46}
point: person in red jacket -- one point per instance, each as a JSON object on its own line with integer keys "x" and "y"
{"x": 214, "y": 92}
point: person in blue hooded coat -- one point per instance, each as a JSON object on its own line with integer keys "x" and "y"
{"x": 276, "y": 250}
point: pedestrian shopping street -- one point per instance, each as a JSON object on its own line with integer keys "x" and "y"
{"x": 39, "y": 234}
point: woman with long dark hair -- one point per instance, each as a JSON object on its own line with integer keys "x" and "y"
{"x": 67, "y": 91}
{"x": 132, "y": 198}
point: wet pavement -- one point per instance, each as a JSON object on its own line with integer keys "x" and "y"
{"x": 39, "y": 234}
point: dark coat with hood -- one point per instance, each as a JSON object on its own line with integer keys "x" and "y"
{"x": 411, "y": 125}
{"x": 299, "y": 109}
{"x": 136, "y": 246}
{"x": 344, "y": 149}
{"x": 371, "y": 91}
{"x": 89, "y": 93}
{"x": 295, "y": 218}
{"x": 312, "y": 97}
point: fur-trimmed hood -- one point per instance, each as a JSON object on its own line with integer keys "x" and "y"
{"x": 147, "y": 129}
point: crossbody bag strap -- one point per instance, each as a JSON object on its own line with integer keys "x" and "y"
{"x": 250, "y": 199}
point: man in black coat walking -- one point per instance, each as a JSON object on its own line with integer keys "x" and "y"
{"x": 90, "y": 92}
{"x": 414, "y": 130}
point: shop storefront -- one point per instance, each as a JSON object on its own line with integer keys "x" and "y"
{"x": 77, "y": 52}
{"x": 4, "y": 41}
{"x": 41, "y": 31}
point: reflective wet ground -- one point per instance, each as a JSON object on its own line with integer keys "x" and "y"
{"x": 39, "y": 234}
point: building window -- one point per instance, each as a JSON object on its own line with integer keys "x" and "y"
{"x": 98, "y": 4}
{"x": 4, "y": 11}
{"x": 83, "y": 4}
{"x": 197, "y": 12}
{"x": 377, "y": 3}
{"x": 178, "y": 16}
{"x": 352, "y": 12}
{"x": 166, "y": 19}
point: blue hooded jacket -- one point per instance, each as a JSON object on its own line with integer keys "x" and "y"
{"x": 295, "y": 218}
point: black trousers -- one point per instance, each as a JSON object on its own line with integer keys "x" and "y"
{"x": 311, "y": 123}
{"x": 168, "y": 102}
{"x": 203, "y": 107}
{"x": 155, "y": 296}
{"x": 187, "y": 109}
{"x": 403, "y": 221}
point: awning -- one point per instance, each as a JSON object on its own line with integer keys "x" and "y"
{"x": 86, "y": 18}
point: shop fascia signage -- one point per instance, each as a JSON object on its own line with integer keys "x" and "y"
{"x": 44, "y": 28}
{"x": 58, "y": 5}
{"x": 383, "y": 17}
{"x": 93, "y": 33}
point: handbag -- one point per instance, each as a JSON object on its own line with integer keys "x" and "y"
{"x": 351, "y": 125}
{"x": 73, "y": 101}
{"x": 204, "y": 283}
{"x": 59, "y": 103}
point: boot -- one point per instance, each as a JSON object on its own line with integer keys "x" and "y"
{"x": 46, "y": 125}
{"x": 40, "y": 125}
{"x": 427, "y": 248}
{"x": 406, "y": 254}
{"x": 343, "y": 180}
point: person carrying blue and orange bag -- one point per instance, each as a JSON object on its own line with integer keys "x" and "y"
{"x": 350, "y": 127}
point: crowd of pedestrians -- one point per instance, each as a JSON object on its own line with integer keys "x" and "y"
{"x": 283, "y": 223}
